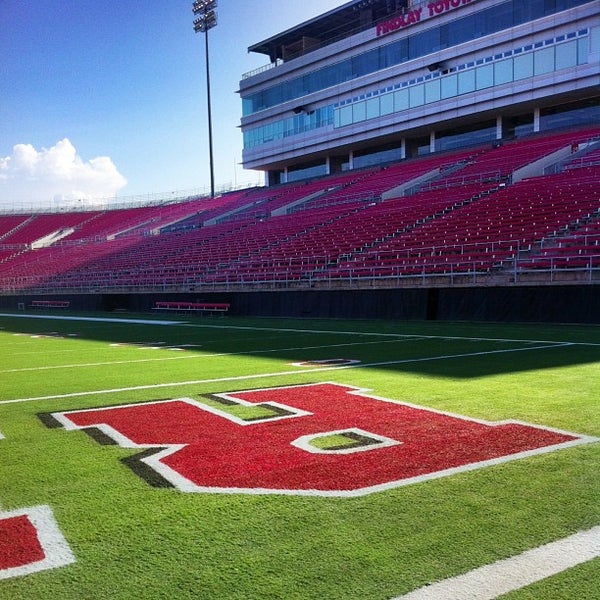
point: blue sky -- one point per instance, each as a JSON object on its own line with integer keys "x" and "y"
{"x": 107, "y": 97}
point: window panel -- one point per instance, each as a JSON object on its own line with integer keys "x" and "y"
{"x": 582, "y": 50}
{"x": 484, "y": 76}
{"x": 386, "y": 104}
{"x": 466, "y": 81}
{"x": 424, "y": 43}
{"x": 566, "y": 55}
{"x": 345, "y": 115}
{"x": 503, "y": 71}
{"x": 449, "y": 86}
{"x": 365, "y": 63}
{"x": 373, "y": 108}
{"x": 401, "y": 100}
{"x": 543, "y": 61}
{"x": 359, "y": 112}
{"x": 498, "y": 17}
{"x": 523, "y": 66}
{"x": 432, "y": 91}
{"x": 416, "y": 95}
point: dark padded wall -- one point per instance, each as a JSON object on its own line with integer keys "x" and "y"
{"x": 554, "y": 304}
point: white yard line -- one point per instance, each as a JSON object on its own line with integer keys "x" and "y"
{"x": 197, "y": 356}
{"x": 279, "y": 374}
{"x": 491, "y": 581}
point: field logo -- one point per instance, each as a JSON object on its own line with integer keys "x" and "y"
{"x": 322, "y": 439}
{"x": 31, "y": 541}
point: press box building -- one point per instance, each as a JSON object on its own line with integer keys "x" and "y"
{"x": 375, "y": 81}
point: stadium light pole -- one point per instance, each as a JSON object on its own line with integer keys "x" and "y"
{"x": 206, "y": 20}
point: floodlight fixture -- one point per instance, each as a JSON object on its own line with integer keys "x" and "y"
{"x": 203, "y": 6}
{"x": 206, "y": 20}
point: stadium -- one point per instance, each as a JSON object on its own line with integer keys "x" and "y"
{"x": 375, "y": 376}
{"x": 433, "y": 167}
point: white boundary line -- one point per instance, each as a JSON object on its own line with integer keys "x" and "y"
{"x": 516, "y": 572}
{"x": 57, "y": 552}
{"x": 278, "y": 374}
{"x": 94, "y": 319}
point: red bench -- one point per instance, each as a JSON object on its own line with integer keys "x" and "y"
{"x": 49, "y": 304}
{"x": 201, "y": 307}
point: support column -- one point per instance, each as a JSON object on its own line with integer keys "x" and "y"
{"x": 536, "y": 120}
{"x": 499, "y": 125}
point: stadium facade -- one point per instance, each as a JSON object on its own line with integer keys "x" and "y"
{"x": 376, "y": 81}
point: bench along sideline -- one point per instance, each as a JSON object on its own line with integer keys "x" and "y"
{"x": 49, "y": 304}
{"x": 212, "y": 307}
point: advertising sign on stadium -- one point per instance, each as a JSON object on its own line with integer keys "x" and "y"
{"x": 418, "y": 14}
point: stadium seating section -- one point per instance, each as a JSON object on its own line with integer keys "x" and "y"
{"x": 486, "y": 211}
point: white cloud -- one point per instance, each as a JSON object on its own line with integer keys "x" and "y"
{"x": 55, "y": 176}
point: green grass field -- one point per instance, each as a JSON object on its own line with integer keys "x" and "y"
{"x": 133, "y": 540}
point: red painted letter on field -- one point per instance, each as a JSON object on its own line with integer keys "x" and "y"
{"x": 389, "y": 443}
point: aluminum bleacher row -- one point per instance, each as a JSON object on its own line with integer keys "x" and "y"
{"x": 459, "y": 212}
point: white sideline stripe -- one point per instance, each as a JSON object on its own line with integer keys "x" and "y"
{"x": 277, "y": 374}
{"x": 96, "y": 319}
{"x": 491, "y": 581}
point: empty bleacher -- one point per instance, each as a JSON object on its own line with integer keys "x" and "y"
{"x": 452, "y": 214}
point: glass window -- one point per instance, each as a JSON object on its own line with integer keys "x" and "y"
{"x": 523, "y": 66}
{"x": 424, "y": 43}
{"x": 289, "y": 127}
{"x": 566, "y": 55}
{"x": 484, "y": 76}
{"x": 466, "y": 82}
{"x": 279, "y": 125}
{"x": 466, "y": 136}
{"x": 401, "y": 100}
{"x": 586, "y": 111}
{"x": 416, "y": 95}
{"x": 503, "y": 71}
{"x": 372, "y": 108}
{"x": 595, "y": 39}
{"x": 386, "y": 105}
{"x": 306, "y": 171}
{"x": 498, "y": 17}
{"x": 543, "y": 61}
{"x": 392, "y": 152}
{"x": 484, "y": 22}
{"x": 459, "y": 31}
{"x": 365, "y": 63}
{"x": 345, "y": 116}
{"x": 393, "y": 54}
{"x": 292, "y": 89}
{"x": 359, "y": 112}
{"x": 449, "y": 86}
{"x": 582, "y": 50}
{"x": 432, "y": 91}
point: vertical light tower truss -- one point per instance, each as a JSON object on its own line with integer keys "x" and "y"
{"x": 206, "y": 19}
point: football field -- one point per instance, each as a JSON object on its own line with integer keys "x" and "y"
{"x": 164, "y": 457}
